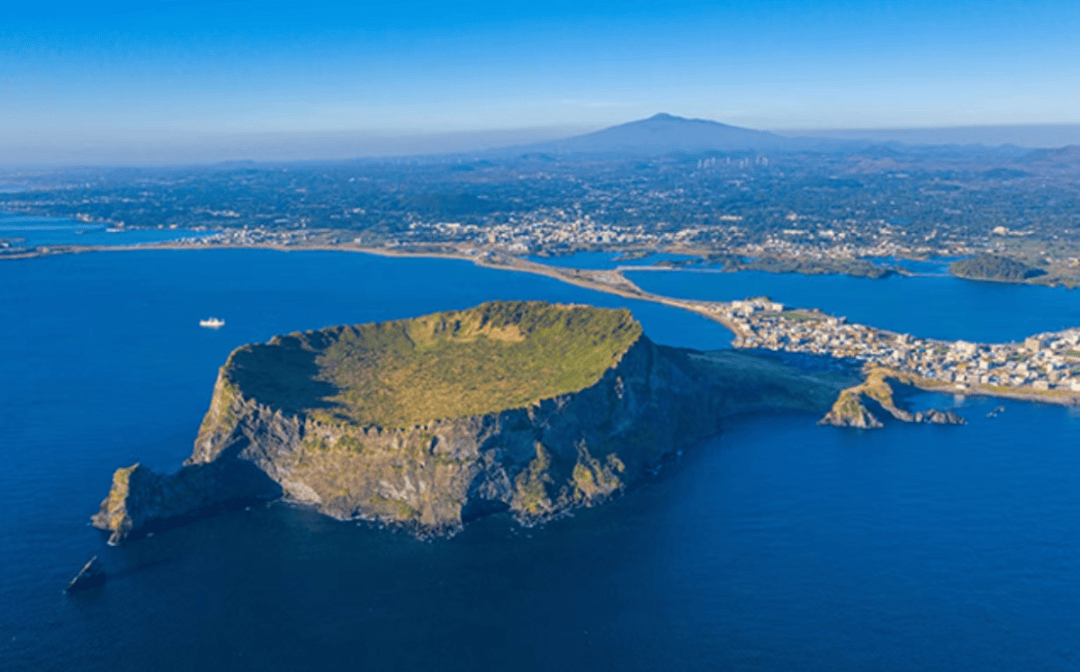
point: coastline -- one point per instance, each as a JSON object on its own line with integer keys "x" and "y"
{"x": 609, "y": 281}
{"x": 1049, "y": 281}
{"x": 1059, "y": 397}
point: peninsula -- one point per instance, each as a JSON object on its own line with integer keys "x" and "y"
{"x": 527, "y": 408}
{"x": 1045, "y": 367}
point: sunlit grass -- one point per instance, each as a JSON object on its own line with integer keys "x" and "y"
{"x": 461, "y": 363}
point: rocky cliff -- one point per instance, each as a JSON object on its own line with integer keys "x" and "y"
{"x": 850, "y": 409}
{"x": 527, "y": 408}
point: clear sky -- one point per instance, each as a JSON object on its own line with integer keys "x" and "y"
{"x": 101, "y": 71}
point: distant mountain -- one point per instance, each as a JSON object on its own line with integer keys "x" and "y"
{"x": 1021, "y": 135}
{"x": 669, "y": 134}
{"x": 664, "y": 134}
{"x": 1062, "y": 156}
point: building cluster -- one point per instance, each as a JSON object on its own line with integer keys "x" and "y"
{"x": 835, "y": 246}
{"x": 257, "y": 236}
{"x": 1045, "y": 362}
{"x": 543, "y": 231}
{"x": 561, "y": 230}
{"x": 552, "y": 231}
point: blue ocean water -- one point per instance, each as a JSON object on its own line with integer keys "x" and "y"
{"x": 778, "y": 546}
{"x": 34, "y": 231}
{"x": 931, "y": 266}
{"x": 927, "y": 306}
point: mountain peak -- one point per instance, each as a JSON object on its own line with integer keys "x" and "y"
{"x": 665, "y": 133}
{"x": 664, "y": 116}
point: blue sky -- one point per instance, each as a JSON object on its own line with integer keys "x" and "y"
{"x": 76, "y": 72}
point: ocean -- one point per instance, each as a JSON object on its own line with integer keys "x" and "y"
{"x": 779, "y": 545}
{"x": 32, "y": 231}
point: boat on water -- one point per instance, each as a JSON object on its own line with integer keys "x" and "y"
{"x": 212, "y": 323}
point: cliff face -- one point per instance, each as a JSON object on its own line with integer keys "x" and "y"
{"x": 536, "y": 460}
{"x": 612, "y": 407}
{"x": 141, "y": 500}
{"x": 850, "y": 409}
{"x": 569, "y": 450}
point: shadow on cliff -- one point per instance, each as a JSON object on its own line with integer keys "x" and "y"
{"x": 751, "y": 381}
{"x": 284, "y": 375}
{"x": 197, "y": 491}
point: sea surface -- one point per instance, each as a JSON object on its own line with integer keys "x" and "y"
{"x": 611, "y": 260}
{"x": 930, "y": 306}
{"x": 778, "y": 546}
{"x": 31, "y": 231}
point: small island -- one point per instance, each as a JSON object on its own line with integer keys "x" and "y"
{"x": 994, "y": 267}
{"x": 1030, "y": 265}
{"x": 526, "y": 408}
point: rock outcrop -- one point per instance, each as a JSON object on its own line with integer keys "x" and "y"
{"x": 142, "y": 500}
{"x": 584, "y": 406}
{"x": 850, "y": 408}
{"x": 850, "y": 411}
{"x": 91, "y": 575}
{"x": 936, "y": 417}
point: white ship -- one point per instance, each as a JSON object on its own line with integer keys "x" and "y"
{"x": 212, "y": 323}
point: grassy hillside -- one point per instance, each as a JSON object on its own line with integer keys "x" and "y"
{"x": 397, "y": 374}
{"x": 994, "y": 267}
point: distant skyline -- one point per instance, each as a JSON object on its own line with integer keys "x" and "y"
{"x": 93, "y": 78}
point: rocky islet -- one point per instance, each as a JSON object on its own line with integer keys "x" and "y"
{"x": 527, "y": 408}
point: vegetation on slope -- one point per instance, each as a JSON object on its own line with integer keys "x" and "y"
{"x": 496, "y": 356}
{"x": 994, "y": 267}
{"x": 849, "y": 410}
{"x": 859, "y": 268}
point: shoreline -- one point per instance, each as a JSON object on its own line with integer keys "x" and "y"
{"x": 1048, "y": 397}
{"x": 77, "y": 248}
{"x": 607, "y": 281}
{"x": 610, "y": 281}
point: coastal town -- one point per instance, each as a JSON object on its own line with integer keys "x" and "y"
{"x": 1045, "y": 366}
{"x": 853, "y": 212}
{"x": 542, "y": 236}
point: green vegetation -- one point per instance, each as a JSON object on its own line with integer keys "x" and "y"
{"x": 849, "y": 410}
{"x": 350, "y": 443}
{"x": 113, "y": 511}
{"x": 401, "y": 511}
{"x": 593, "y": 479}
{"x": 860, "y": 268}
{"x": 398, "y": 374}
{"x": 994, "y": 267}
{"x": 849, "y": 405}
{"x": 801, "y": 316}
{"x": 532, "y": 485}
{"x": 314, "y": 444}
{"x": 633, "y": 255}
{"x": 1059, "y": 256}
{"x": 221, "y": 418}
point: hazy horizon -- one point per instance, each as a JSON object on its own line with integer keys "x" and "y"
{"x": 164, "y": 149}
{"x": 120, "y": 80}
